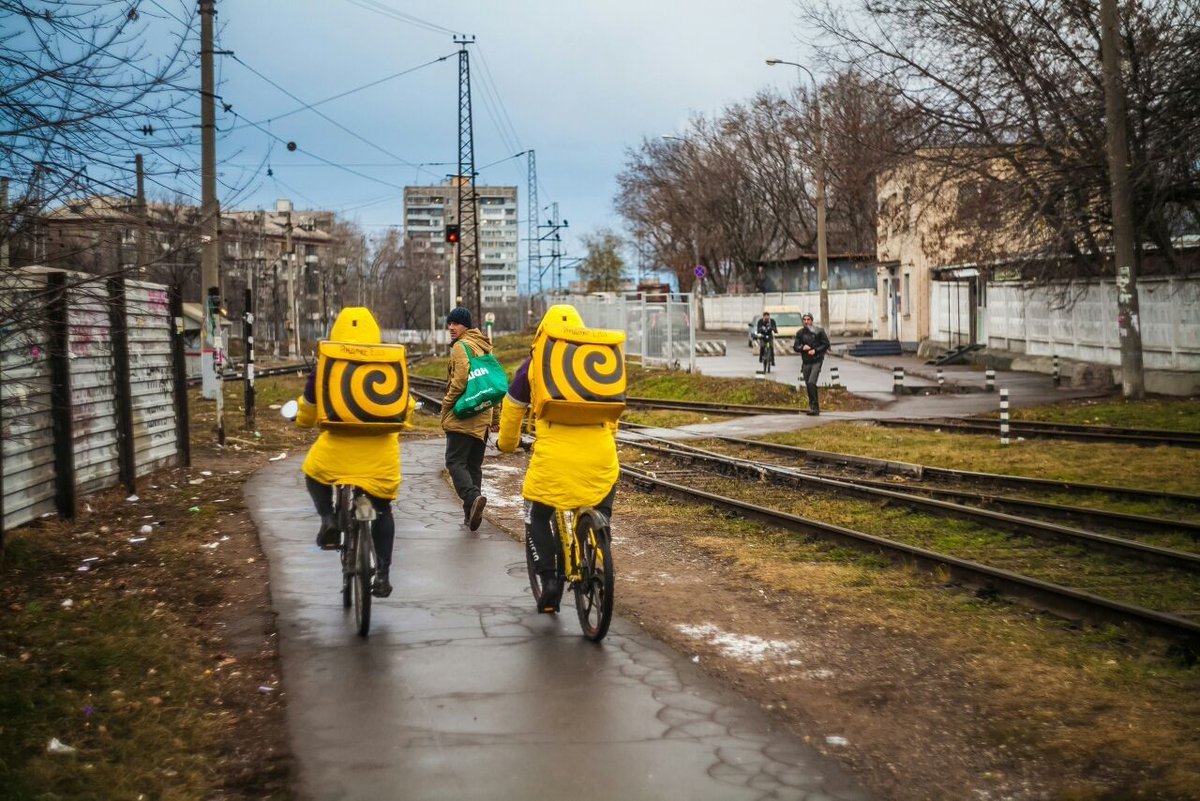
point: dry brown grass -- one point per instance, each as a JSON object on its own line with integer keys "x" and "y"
{"x": 1161, "y": 468}
{"x": 1111, "y": 710}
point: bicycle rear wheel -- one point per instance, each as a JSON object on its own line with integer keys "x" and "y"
{"x": 594, "y": 590}
{"x": 361, "y": 579}
{"x": 345, "y": 519}
{"x": 535, "y": 582}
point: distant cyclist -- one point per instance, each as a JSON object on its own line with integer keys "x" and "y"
{"x": 368, "y": 461}
{"x": 766, "y": 329}
{"x": 572, "y": 466}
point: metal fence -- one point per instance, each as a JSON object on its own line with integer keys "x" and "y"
{"x": 658, "y": 332}
{"x": 90, "y": 393}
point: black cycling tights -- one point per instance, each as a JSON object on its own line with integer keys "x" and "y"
{"x": 541, "y": 535}
{"x": 384, "y": 530}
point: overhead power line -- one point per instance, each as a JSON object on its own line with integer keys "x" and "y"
{"x": 324, "y": 116}
{"x": 338, "y": 96}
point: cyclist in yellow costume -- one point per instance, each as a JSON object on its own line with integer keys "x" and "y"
{"x": 572, "y": 466}
{"x": 368, "y": 461}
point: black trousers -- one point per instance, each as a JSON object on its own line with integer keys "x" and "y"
{"x": 810, "y": 372}
{"x": 383, "y": 530}
{"x": 541, "y": 535}
{"x": 464, "y": 461}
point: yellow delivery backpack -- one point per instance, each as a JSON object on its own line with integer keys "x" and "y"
{"x": 361, "y": 388}
{"x": 577, "y": 374}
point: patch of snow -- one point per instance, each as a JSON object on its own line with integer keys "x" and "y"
{"x": 746, "y": 647}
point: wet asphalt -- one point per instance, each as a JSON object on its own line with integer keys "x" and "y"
{"x": 462, "y": 691}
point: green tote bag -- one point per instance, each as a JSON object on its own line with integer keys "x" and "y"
{"x": 486, "y": 385}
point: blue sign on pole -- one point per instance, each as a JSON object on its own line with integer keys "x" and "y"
{"x": 699, "y": 271}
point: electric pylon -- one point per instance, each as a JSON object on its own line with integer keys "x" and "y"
{"x": 467, "y": 205}
{"x": 535, "y": 244}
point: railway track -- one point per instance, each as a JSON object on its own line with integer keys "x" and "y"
{"x": 949, "y": 484}
{"x": 1014, "y": 524}
{"x": 1031, "y": 429}
{"x": 988, "y": 579}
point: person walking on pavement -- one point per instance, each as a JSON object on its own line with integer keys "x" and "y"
{"x": 465, "y": 437}
{"x": 811, "y": 343}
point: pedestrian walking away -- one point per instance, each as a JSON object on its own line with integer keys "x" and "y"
{"x": 811, "y": 343}
{"x": 466, "y": 437}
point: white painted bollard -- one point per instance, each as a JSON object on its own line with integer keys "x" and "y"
{"x": 941, "y": 379}
{"x": 898, "y": 380}
{"x": 833, "y": 376}
{"x": 990, "y": 376}
{"x": 1003, "y": 416}
{"x": 1056, "y": 373}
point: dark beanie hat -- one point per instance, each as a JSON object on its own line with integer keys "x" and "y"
{"x": 460, "y": 315}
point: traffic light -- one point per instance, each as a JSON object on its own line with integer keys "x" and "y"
{"x": 452, "y": 234}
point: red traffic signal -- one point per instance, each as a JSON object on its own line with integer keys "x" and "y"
{"x": 452, "y": 233}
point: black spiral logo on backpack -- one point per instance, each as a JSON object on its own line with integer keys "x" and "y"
{"x": 363, "y": 392}
{"x": 583, "y": 372}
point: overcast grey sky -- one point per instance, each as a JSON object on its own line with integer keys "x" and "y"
{"x": 577, "y": 81}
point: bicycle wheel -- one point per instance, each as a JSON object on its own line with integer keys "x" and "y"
{"x": 535, "y": 582}
{"x": 361, "y": 580}
{"x": 344, "y": 518}
{"x": 594, "y": 590}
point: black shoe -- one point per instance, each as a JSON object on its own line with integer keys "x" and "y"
{"x": 813, "y": 412}
{"x": 552, "y": 588}
{"x": 477, "y": 512}
{"x": 380, "y": 586}
{"x": 327, "y": 537}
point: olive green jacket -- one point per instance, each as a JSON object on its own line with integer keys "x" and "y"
{"x": 456, "y": 373}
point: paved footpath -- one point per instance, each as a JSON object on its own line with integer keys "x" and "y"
{"x": 463, "y": 692}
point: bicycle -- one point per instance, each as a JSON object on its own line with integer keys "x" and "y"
{"x": 766, "y": 354}
{"x": 356, "y": 515}
{"x": 585, "y": 565}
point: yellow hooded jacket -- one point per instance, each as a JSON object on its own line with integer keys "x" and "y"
{"x": 572, "y": 466}
{"x": 370, "y": 461}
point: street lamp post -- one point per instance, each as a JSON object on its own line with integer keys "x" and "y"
{"x": 822, "y": 252}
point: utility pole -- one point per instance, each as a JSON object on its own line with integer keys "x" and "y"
{"x": 1128, "y": 320}
{"x": 819, "y": 152}
{"x": 554, "y": 226}
{"x": 822, "y": 249}
{"x": 143, "y": 222}
{"x": 4, "y": 256}
{"x": 210, "y": 223}
{"x": 466, "y": 266}
{"x": 289, "y": 257}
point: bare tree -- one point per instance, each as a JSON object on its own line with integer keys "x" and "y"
{"x": 739, "y": 189}
{"x": 1012, "y": 100}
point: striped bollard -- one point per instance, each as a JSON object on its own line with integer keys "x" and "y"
{"x": 1003, "y": 416}
{"x": 941, "y": 379}
{"x": 833, "y": 376}
{"x": 991, "y": 380}
{"x": 898, "y": 380}
{"x": 1056, "y": 373}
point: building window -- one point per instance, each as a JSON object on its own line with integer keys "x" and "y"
{"x": 906, "y": 298}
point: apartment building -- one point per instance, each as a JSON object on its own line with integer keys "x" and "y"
{"x": 427, "y": 211}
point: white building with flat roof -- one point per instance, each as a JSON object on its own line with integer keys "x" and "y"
{"x": 427, "y": 211}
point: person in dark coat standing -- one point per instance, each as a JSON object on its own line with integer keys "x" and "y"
{"x": 465, "y": 437}
{"x": 811, "y": 343}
